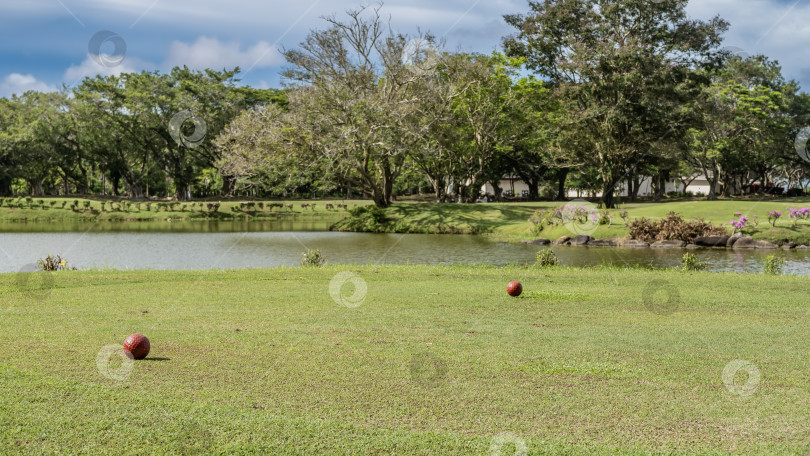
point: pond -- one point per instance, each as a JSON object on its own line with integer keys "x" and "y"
{"x": 205, "y": 245}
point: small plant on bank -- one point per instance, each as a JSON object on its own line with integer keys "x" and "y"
{"x": 54, "y": 263}
{"x": 690, "y": 262}
{"x": 313, "y": 258}
{"x": 798, "y": 214}
{"x": 739, "y": 225}
{"x": 541, "y": 218}
{"x": 773, "y": 217}
{"x": 86, "y": 204}
{"x": 774, "y": 265}
{"x": 546, "y": 258}
{"x": 604, "y": 218}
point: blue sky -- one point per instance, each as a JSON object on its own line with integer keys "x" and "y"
{"x": 44, "y": 43}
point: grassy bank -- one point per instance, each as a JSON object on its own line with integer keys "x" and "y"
{"x": 84, "y": 209}
{"x": 507, "y": 221}
{"x": 433, "y": 360}
{"x": 510, "y": 221}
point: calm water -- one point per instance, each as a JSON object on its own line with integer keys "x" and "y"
{"x": 204, "y": 245}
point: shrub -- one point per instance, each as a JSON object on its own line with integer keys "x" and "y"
{"x": 604, "y": 218}
{"x": 546, "y": 258}
{"x": 773, "y": 217}
{"x": 774, "y": 265}
{"x": 313, "y": 258}
{"x": 54, "y": 263}
{"x": 86, "y": 204}
{"x": 690, "y": 262}
{"x": 541, "y": 218}
{"x": 672, "y": 227}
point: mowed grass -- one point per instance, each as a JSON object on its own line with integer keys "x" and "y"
{"x": 101, "y": 209}
{"x": 434, "y": 360}
{"x": 509, "y": 221}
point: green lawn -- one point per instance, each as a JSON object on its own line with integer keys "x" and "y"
{"x": 434, "y": 360}
{"x": 510, "y": 221}
{"x": 102, "y": 209}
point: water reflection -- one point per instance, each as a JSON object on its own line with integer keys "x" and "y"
{"x": 251, "y": 245}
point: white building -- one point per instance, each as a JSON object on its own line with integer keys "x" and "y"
{"x": 514, "y": 186}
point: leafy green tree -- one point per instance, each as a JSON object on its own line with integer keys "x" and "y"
{"x": 622, "y": 70}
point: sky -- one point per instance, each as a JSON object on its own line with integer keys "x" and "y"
{"x": 47, "y": 43}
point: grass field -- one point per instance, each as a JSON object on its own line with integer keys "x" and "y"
{"x": 416, "y": 360}
{"x": 509, "y": 221}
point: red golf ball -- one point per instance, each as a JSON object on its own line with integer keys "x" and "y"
{"x": 514, "y": 288}
{"x": 138, "y": 345}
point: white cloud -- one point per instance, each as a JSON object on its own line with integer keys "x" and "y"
{"x": 211, "y": 53}
{"x": 89, "y": 68}
{"x": 17, "y": 83}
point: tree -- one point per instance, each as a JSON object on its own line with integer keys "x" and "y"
{"x": 622, "y": 70}
{"x": 740, "y": 123}
{"x": 353, "y": 93}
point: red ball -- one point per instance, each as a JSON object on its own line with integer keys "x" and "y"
{"x": 138, "y": 345}
{"x": 514, "y": 288}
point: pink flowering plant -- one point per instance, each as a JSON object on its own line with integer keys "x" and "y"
{"x": 798, "y": 214}
{"x": 740, "y": 223}
{"x": 577, "y": 215}
{"x": 774, "y": 216}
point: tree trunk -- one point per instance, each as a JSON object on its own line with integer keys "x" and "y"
{"x": 534, "y": 189}
{"x": 228, "y": 185}
{"x": 5, "y": 186}
{"x": 36, "y": 187}
{"x": 562, "y": 175}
